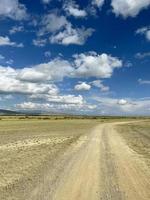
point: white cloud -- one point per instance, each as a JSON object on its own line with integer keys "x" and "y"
{"x": 83, "y": 65}
{"x": 59, "y": 103}
{"x": 144, "y": 31}
{"x": 72, "y": 36}
{"x": 10, "y": 61}
{"x": 99, "y": 84}
{"x": 55, "y": 70}
{"x": 141, "y": 82}
{"x": 3, "y": 60}
{"x": 46, "y": 1}
{"x": 98, "y": 3}
{"x": 9, "y": 83}
{"x": 47, "y": 106}
{"x": 73, "y": 9}
{"x": 82, "y": 86}
{"x": 16, "y": 29}
{"x": 59, "y": 99}
{"x": 95, "y": 65}
{"x": 107, "y": 106}
{"x": 61, "y": 31}
{"x": 112, "y": 106}
{"x": 5, "y": 41}
{"x": 47, "y": 54}
{"x": 128, "y": 8}
{"x": 52, "y": 22}
{"x": 38, "y": 80}
{"x": 67, "y": 99}
{"x": 39, "y": 42}
{"x": 142, "y": 55}
{"x": 122, "y": 102}
{"x": 12, "y": 9}
{"x": 31, "y": 106}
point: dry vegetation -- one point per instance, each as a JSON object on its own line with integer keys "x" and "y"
{"x": 44, "y": 158}
{"x": 137, "y": 136}
{"x": 28, "y": 147}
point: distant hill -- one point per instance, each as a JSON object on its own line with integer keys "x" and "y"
{"x": 23, "y": 112}
{"x": 8, "y": 112}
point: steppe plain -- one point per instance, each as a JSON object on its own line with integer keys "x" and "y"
{"x": 74, "y": 159}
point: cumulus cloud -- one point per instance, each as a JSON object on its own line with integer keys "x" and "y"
{"x": 82, "y": 86}
{"x": 98, "y": 3}
{"x": 61, "y": 31}
{"x": 70, "y": 35}
{"x": 31, "y": 106}
{"x": 9, "y": 83}
{"x": 46, "y": 106}
{"x": 128, "y": 8}
{"x": 37, "y": 82}
{"x": 59, "y": 104}
{"x": 99, "y": 84}
{"x": 5, "y": 41}
{"x": 73, "y": 9}
{"x": 12, "y": 83}
{"x": 67, "y": 99}
{"x": 95, "y": 65}
{"x": 16, "y": 29}
{"x": 51, "y": 23}
{"x": 63, "y": 103}
{"x": 82, "y": 65}
{"x": 144, "y": 31}
{"x": 127, "y": 106}
{"x": 55, "y": 70}
{"x": 13, "y": 9}
{"x": 61, "y": 99}
{"x": 39, "y": 42}
{"x": 122, "y": 102}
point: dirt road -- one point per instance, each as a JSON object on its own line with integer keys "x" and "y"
{"x": 98, "y": 166}
{"x": 94, "y": 164}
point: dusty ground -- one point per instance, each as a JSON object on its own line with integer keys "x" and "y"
{"x": 137, "y": 136}
{"x": 70, "y": 160}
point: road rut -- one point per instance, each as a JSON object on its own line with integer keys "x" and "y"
{"x": 100, "y": 166}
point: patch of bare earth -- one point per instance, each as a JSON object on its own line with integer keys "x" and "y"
{"x": 76, "y": 160}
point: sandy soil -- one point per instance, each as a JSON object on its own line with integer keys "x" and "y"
{"x": 105, "y": 168}
{"x": 97, "y": 165}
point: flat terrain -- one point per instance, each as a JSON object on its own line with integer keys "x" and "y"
{"x": 74, "y": 160}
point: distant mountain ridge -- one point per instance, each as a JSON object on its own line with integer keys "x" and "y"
{"x": 21, "y": 112}
{"x": 8, "y": 112}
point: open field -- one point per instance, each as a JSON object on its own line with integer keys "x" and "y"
{"x": 74, "y": 159}
{"x": 137, "y": 136}
{"x": 29, "y": 147}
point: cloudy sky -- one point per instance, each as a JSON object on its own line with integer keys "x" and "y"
{"x": 75, "y": 56}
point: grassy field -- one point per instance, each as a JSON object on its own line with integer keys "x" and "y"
{"x": 28, "y": 146}
{"x": 137, "y": 136}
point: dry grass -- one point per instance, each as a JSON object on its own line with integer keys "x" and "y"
{"x": 27, "y": 147}
{"x": 137, "y": 136}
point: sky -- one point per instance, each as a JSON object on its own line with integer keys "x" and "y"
{"x": 73, "y": 56}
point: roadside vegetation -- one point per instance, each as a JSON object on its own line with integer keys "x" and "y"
{"x": 137, "y": 136}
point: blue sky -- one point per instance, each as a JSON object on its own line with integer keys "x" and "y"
{"x": 71, "y": 56}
